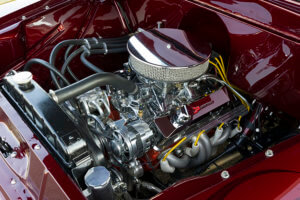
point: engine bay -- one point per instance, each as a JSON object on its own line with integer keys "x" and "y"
{"x": 168, "y": 114}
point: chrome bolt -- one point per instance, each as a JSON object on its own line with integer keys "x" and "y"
{"x": 236, "y": 68}
{"x": 159, "y": 23}
{"x": 37, "y": 147}
{"x": 47, "y": 7}
{"x": 156, "y": 148}
{"x": 13, "y": 182}
{"x": 267, "y": 108}
{"x": 13, "y": 154}
{"x": 168, "y": 46}
{"x": 140, "y": 30}
{"x": 178, "y": 152}
{"x": 225, "y": 174}
{"x": 23, "y": 17}
{"x": 123, "y": 186}
{"x": 269, "y": 153}
{"x": 271, "y": 113}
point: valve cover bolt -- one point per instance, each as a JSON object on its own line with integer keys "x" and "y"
{"x": 37, "y": 147}
{"x": 269, "y": 153}
{"x": 225, "y": 174}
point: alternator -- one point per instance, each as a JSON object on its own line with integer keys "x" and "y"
{"x": 131, "y": 141}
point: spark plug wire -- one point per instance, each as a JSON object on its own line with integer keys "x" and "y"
{"x": 173, "y": 148}
{"x": 198, "y": 137}
{"x": 221, "y": 71}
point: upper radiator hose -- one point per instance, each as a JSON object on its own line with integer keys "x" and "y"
{"x": 90, "y": 82}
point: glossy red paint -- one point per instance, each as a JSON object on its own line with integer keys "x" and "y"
{"x": 258, "y": 39}
{"x": 258, "y": 177}
{"x": 38, "y": 30}
{"x": 35, "y": 172}
{"x": 263, "y": 14}
{"x": 105, "y": 21}
{"x": 35, "y": 36}
{"x": 260, "y": 62}
{"x": 12, "y": 48}
{"x": 206, "y": 104}
{"x": 173, "y": 47}
{"x": 146, "y": 14}
{"x": 259, "y": 43}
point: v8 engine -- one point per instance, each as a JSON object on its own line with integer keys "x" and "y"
{"x": 165, "y": 112}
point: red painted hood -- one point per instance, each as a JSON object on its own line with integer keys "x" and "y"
{"x": 263, "y": 35}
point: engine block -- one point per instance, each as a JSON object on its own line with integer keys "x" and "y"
{"x": 125, "y": 124}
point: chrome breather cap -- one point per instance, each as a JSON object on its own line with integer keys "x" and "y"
{"x": 98, "y": 180}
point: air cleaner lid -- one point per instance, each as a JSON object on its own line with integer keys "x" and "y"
{"x": 169, "y": 55}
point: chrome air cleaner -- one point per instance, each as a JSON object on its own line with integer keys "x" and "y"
{"x": 168, "y": 55}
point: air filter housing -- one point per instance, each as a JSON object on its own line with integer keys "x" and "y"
{"x": 168, "y": 55}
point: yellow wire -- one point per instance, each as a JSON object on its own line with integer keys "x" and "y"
{"x": 240, "y": 117}
{"x": 222, "y": 69}
{"x": 225, "y": 74}
{"x": 198, "y": 137}
{"x": 221, "y": 59}
{"x": 226, "y": 80}
{"x": 216, "y": 66}
{"x": 174, "y": 147}
{"x": 221, "y": 64}
{"x": 221, "y": 125}
{"x": 245, "y": 104}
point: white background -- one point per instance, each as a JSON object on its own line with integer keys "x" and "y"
{"x": 10, "y": 7}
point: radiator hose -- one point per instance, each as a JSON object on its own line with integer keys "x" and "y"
{"x": 90, "y": 82}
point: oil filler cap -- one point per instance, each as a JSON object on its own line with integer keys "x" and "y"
{"x": 98, "y": 181}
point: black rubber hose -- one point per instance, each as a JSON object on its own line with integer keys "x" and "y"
{"x": 88, "y": 64}
{"x": 70, "y": 58}
{"x": 90, "y": 42}
{"x": 109, "y": 45}
{"x": 68, "y": 68}
{"x": 115, "y": 39}
{"x": 109, "y": 50}
{"x": 119, "y": 47}
{"x": 69, "y": 49}
{"x": 55, "y": 51}
{"x": 150, "y": 187}
{"x": 47, "y": 65}
{"x": 90, "y": 82}
{"x": 91, "y": 66}
{"x": 72, "y": 74}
